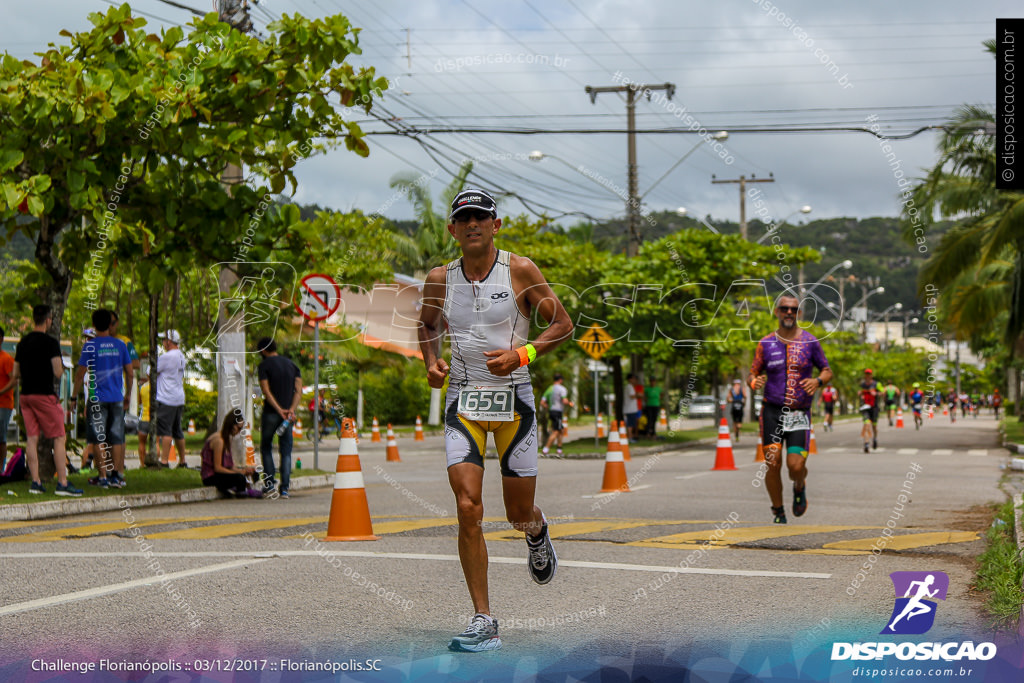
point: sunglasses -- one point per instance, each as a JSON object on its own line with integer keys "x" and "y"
{"x": 472, "y": 214}
{"x": 789, "y": 309}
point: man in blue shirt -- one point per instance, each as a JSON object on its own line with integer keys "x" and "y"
{"x": 110, "y": 371}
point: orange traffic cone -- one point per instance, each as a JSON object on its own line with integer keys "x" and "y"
{"x": 614, "y": 467}
{"x": 375, "y": 432}
{"x": 760, "y": 452}
{"x": 812, "y": 447}
{"x": 392, "y": 452}
{"x": 899, "y": 418}
{"x": 723, "y": 451}
{"x": 663, "y": 419}
{"x": 565, "y": 430}
{"x": 250, "y": 449}
{"x": 191, "y": 427}
{"x": 945, "y": 411}
{"x": 419, "y": 429}
{"x": 297, "y": 429}
{"x": 600, "y": 426}
{"x": 931, "y": 412}
{"x": 624, "y": 441}
{"x": 350, "y": 512}
{"x": 173, "y": 457}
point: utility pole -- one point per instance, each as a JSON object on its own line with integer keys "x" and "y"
{"x": 743, "y": 180}
{"x": 232, "y": 388}
{"x": 633, "y": 202}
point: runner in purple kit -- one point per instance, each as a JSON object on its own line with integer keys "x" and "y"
{"x": 784, "y": 362}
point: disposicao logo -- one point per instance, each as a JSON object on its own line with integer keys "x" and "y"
{"x": 914, "y": 614}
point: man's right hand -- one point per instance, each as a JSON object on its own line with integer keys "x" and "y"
{"x": 437, "y": 373}
{"x": 759, "y": 381}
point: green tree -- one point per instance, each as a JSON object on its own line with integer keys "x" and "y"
{"x": 119, "y": 137}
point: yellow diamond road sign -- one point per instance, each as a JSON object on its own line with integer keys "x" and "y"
{"x": 595, "y": 341}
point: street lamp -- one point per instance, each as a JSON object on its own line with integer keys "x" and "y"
{"x": 885, "y": 314}
{"x": 863, "y": 300}
{"x": 847, "y": 264}
{"x": 720, "y": 135}
{"x": 806, "y": 208}
{"x": 537, "y": 155}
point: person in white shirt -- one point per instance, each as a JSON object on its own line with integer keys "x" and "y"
{"x": 631, "y": 406}
{"x": 170, "y": 398}
{"x": 559, "y": 398}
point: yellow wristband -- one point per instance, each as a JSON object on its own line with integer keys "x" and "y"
{"x": 531, "y": 352}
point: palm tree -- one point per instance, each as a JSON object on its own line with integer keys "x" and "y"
{"x": 431, "y": 245}
{"x": 978, "y": 264}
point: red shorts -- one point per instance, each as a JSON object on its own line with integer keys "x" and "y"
{"x": 43, "y": 415}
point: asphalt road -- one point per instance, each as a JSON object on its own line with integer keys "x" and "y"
{"x": 636, "y": 576}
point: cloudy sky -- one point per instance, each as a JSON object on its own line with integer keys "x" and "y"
{"x": 736, "y": 65}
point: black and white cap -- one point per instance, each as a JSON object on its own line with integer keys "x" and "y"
{"x": 473, "y": 199}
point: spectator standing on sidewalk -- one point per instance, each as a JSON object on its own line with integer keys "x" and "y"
{"x": 652, "y": 405}
{"x": 170, "y": 398}
{"x": 631, "y": 407}
{"x": 555, "y": 399}
{"x": 6, "y": 399}
{"x": 38, "y": 362}
{"x": 281, "y": 383}
{"x": 110, "y": 370}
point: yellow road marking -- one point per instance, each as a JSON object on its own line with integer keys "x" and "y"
{"x": 907, "y": 541}
{"x": 92, "y": 529}
{"x": 717, "y": 538}
{"x": 42, "y": 522}
{"x": 222, "y": 530}
{"x": 578, "y": 528}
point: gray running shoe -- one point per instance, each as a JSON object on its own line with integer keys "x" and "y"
{"x": 541, "y": 560}
{"x": 481, "y": 635}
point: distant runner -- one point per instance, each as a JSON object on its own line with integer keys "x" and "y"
{"x": 916, "y": 403}
{"x": 892, "y": 399}
{"x": 828, "y": 401}
{"x": 485, "y": 300}
{"x": 869, "y": 394}
{"x": 737, "y": 399}
{"x": 784, "y": 362}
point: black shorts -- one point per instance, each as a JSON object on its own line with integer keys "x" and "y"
{"x": 829, "y": 407}
{"x": 168, "y": 420}
{"x": 771, "y": 429}
{"x": 556, "y": 420}
{"x": 737, "y": 415}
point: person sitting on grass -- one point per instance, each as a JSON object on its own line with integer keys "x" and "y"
{"x": 218, "y": 468}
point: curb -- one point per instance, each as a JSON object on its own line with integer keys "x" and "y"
{"x": 78, "y": 506}
{"x": 1018, "y": 532}
{"x": 1017, "y": 448}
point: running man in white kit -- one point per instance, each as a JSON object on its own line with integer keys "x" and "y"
{"x": 485, "y": 299}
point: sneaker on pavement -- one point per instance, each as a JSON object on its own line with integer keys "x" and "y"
{"x": 36, "y": 488}
{"x": 874, "y": 444}
{"x": 544, "y": 451}
{"x": 541, "y": 560}
{"x": 68, "y": 490}
{"x": 780, "y": 515}
{"x": 481, "y": 635}
{"x": 800, "y": 501}
{"x": 284, "y": 494}
{"x": 559, "y": 452}
{"x": 867, "y": 449}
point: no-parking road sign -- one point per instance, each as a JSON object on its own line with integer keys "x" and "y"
{"x": 319, "y": 296}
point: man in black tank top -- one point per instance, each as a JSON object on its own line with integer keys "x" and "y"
{"x": 473, "y": 223}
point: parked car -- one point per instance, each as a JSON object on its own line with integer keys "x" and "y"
{"x": 702, "y": 407}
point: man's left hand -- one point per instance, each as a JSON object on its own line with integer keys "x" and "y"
{"x": 810, "y": 385}
{"x": 502, "y": 363}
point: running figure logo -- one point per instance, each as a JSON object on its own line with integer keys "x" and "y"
{"x": 914, "y": 612}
